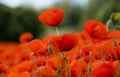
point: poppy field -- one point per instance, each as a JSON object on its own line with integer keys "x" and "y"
{"x": 92, "y": 52}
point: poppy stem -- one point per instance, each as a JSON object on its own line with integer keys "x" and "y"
{"x": 102, "y": 52}
{"x": 57, "y": 30}
{"x": 59, "y": 63}
{"x": 69, "y": 68}
{"x": 67, "y": 65}
{"x": 114, "y": 40}
{"x": 90, "y": 65}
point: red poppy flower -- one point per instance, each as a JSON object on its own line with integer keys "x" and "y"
{"x": 53, "y": 62}
{"x": 23, "y": 66}
{"x": 37, "y": 47}
{"x": 110, "y": 54}
{"x": 3, "y": 68}
{"x": 103, "y": 69}
{"x": 52, "y": 17}
{"x": 19, "y": 74}
{"x": 112, "y": 34}
{"x": 78, "y": 67}
{"x": 25, "y": 37}
{"x": 96, "y": 29}
{"x": 116, "y": 66}
{"x": 45, "y": 71}
{"x": 40, "y": 60}
{"x": 66, "y": 42}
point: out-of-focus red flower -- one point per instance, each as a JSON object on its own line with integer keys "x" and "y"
{"x": 62, "y": 43}
{"x": 49, "y": 41}
{"x": 115, "y": 34}
{"x": 85, "y": 53}
{"x": 78, "y": 67}
{"x": 25, "y": 37}
{"x": 66, "y": 42}
{"x": 19, "y": 74}
{"x": 52, "y": 17}
{"x": 112, "y": 54}
{"x": 96, "y": 29}
{"x": 3, "y": 68}
{"x": 103, "y": 69}
{"x": 86, "y": 36}
{"x": 40, "y": 60}
{"x": 116, "y": 66}
{"x": 37, "y": 46}
{"x": 45, "y": 71}
{"x": 53, "y": 62}
{"x": 24, "y": 66}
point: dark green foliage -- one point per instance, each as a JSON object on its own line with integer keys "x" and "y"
{"x": 101, "y": 9}
{"x": 73, "y": 16}
{"x": 5, "y": 15}
{"x": 14, "y": 22}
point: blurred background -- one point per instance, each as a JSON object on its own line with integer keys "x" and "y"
{"x": 19, "y": 16}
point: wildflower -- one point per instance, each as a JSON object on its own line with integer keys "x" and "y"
{"x": 24, "y": 66}
{"x": 96, "y": 29}
{"x": 45, "y": 71}
{"x": 103, "y": 69}
{"x": 19, "y": 74}
{"x": 40, "y": 60}
{"x": 77, "y": 68}
{"x": 25, "y": 37}
{"x": 113, "y": 35}
{"x": 52, "y": 17}
{"x": 66, "y": 42}
{"x": 37, "y": 47}
{"x": 112, "y": 54}
{"x": 116, "y": 65}
{"x": 3, "y": 68}
{"x": 54, "y": 63}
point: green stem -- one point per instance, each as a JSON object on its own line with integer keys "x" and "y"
{"x": 67, "y": 65}
{"x": 115, "y": 41}
{"x": 50, "y": 48}
{"x": 102, "y": 53}
{"x": 57, "y": 30}
{"x": 90, "y": 66}
{"x": 59, "y": 61}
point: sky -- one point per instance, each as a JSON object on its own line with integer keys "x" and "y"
{"x": 37, "y": 3}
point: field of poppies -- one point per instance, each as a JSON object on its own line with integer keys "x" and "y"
{"x": 92, "y": 52}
